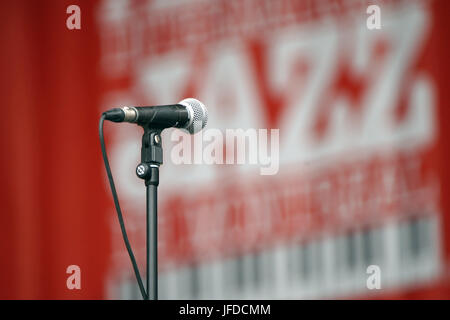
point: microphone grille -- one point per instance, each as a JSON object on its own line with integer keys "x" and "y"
{"x": 199, "y": 115}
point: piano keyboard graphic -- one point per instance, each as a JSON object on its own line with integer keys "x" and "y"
{"x": 407, "y": 252}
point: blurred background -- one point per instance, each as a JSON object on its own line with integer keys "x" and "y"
{"x": 362, "y": 117}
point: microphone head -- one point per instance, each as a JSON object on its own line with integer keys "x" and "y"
{"x": 198, "y": 115}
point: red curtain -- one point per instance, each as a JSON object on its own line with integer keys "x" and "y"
{"x": 52, "y": 190}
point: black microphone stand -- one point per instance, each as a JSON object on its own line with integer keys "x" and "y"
{"x": 148, "y": 170}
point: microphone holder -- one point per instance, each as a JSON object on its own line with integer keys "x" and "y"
{"x": 148, "y": 170}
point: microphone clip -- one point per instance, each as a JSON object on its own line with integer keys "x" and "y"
{"x": 151, "y": 156}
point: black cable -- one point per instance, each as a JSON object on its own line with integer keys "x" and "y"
{"x": 119, "y": 212}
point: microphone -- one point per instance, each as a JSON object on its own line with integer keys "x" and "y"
{"x": 189, "y": 114}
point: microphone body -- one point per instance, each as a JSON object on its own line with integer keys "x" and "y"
{"x": 189, "y": 114}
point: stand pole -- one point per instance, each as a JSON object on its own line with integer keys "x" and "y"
{"x": 152, "y": 237}
{"x": 148, "y": 170}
